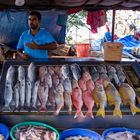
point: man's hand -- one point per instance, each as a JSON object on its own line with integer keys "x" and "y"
{"x": 32, "y": 45}
{"x": 23, "y": 55}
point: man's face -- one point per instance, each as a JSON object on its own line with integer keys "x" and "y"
{"x": 33, "y": 22}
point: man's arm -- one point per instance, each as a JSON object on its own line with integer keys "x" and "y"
{"x": 50, "y": 46}
{"x": 22, "y": 55}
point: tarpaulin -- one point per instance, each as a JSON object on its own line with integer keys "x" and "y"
{"x": 14, "y": 22}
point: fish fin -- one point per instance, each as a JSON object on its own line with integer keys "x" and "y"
{"x": 6, "y": 109}
{"x": 101, "y": 112}
{"x": 79, "y": 114}
{"x": 89, "y": 114}
{"x": 134, "y": 109}
{"x": 43, "y": 109}
{"x": 117, "y": 112}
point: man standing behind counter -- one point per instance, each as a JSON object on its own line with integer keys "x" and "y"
{"x": 35, "y": 42}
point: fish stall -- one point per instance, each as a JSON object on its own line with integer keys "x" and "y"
{"x": 88, "y": 94}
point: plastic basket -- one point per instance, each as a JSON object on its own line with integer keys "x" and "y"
{"x": 118, "y": 129}
{"x": 112, "y": 51}
{"x": 17, "y": 126}
{"x": 4, "y": 131}
{"x": 81, "y": 132}
{"x": 82, "y": 49}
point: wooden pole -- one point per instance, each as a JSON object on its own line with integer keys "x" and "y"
{"x": 113, "y": 25}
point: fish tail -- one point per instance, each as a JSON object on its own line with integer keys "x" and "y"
{"x": 101, "y": 112}
{"x": 89, "y": 114}
{"x": 43, "y": 109}
{"x": 79, "y": 113}
{"x": 134, "y": 109}
{"x": 6, "y": 108}
{"x": 117, "y": 112}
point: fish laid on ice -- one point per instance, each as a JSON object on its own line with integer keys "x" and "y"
{"x": 59, "y": 99}
{"x": 89, "y": 102}
{"x": 128, "y": 97}
{"x": 113, "y": 97}
{"x": 77, "y": 99}
{"x": 100, "y": 98}
{"x": 76, "y": 71}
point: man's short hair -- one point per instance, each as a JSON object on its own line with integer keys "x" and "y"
{"x": 35, "y": 13}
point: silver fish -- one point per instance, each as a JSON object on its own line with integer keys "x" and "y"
{"x": 22, "y": 93}
{"x": 34, "y": 94}
{"x": 67, "y": 85}
{"x": 8, "y": 96}
{"x": 59, "y": 99}
{"x": 10, "y": 76}
{"x": 28, "y": 93}
{"x": 16, "y": 94}
{"x": 21, "y": 73}
{"x": 76, "y": 71}
{"x": 65, "y": 71}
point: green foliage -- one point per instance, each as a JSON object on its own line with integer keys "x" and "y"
{"x": 75, "y": 20}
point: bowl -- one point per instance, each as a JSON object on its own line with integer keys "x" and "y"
{"x": 17, "y": 126}
{"x": 79, "y": 131}
{"x": 4, "y": 131}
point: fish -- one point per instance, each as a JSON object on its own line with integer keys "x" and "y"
{"x": 121, "y": 76}
{"x": 16, "y": 94}
{"x": 31, "y": 74}
{"x": 34, "y": 95}
{"x": 128, "y": 96}
{"x": 28, "y": 94}
{"x": 48, "y": 80}
{"x": 100, "y": 98}
{"x": 51, "y": 97}
{"x": 67, "y": 85}
{"x": 103, "y": 76}
{"x": 43, "y": 96}
{"x": 65, "y": 71}
{"x": 42, "y": 73}
{"x": 82, "y": 84}
{"x": 94, "y": 73}
{"x": 76, "y": 71}
{"x": 58, "y": 72}
{"x": 90, "y": 85}
{"x": 55, "y": 80}
{"x": 114, "y": 78}
{"x": 59, "y": 98}
{"x": 22, "y": 93}
{"x": 8, "y": 96}
{"x": 101, "y": 69}
{"x": 50, "y": 70}
{"x": 86, "y": 76}
{"x": 77, "y": 99}
{"x": 21, "y": 73}
{"x": 113, "y": 97}
{"x": 111, "y": 69}
{"x": 10, "y": 76}
{"x": 89, "y": 102}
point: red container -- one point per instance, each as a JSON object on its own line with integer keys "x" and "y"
{"x": 82, "y": 50}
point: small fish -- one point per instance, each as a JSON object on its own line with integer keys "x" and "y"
{"x": 128, "y": 96}
{"x": 16, "y": 94}
{"x": 76, "y": 71}
{"x": 28, "y": 94}
{"x": 34, "y": 95}
{"x": 21, "y": 73}
{"x": 10, "y": 76}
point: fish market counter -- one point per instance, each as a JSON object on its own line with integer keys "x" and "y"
{"x": 53, "y": 92}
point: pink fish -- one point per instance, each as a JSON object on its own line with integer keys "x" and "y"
{"x": 90, "y": 85}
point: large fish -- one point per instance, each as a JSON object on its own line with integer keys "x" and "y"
{"x": 8, "y": 96}
{"x": 100, "y": 98}
{"x": 43, "y": 96}
{"x": 31, "y": 74}
{"x": 34, "y": 94}
{"x": 76, "y": 71}
{"x": 59, "y": 99}
{"x": 10, "y": 76}
{"x": 128, "y": 97}
{"x": 67, "y": 94}
{"x": 113, "y": 97}
{"x": 28, "y": 94}
{"x": 77, "y": 99}
{"x": 65, "y": 71}
{"x": 16, "y": 95}
{"x": 21, "y": 73}
{"x": 89, "y": 102}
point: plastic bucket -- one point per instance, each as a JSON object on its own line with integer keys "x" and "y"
{"x": 82, "y": 50}
{"x": 17, "y": 126}
{"x": 118, "y": 129}
{"x": 4, "y": 131}
{"x": 78, "y": 131}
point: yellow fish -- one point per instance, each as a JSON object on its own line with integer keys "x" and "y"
{"x": 128, "y": 97}
{"x": 100, "y": 98}
{"x": 113, "y": 97}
